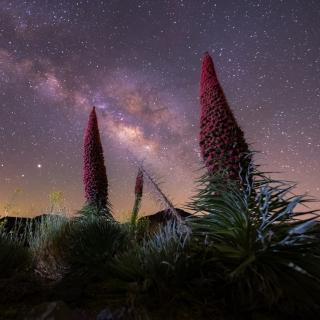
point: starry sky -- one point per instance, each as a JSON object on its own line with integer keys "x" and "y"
{"x": 139, "y": 63}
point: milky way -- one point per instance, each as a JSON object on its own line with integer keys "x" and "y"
{"x": 138, "y": 62}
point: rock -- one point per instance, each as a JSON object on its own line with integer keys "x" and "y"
{"x": 19, "y": 287}
{"x": 162, "y": 217}
{"x": 106, "y": 314}
{"x": 56, "y": 310}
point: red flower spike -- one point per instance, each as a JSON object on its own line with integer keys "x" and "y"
{"x": 139, "y": 184}
{"x": 138, "y": 197}
{"x": 222, "y": 141}
{"x": 95, "y": 177}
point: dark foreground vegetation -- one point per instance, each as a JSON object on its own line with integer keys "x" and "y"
{"x": 247, "y": 249}
{"x": 246, "y": 254}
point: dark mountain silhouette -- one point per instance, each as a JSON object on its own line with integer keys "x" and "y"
{"x": 161, "y": 217}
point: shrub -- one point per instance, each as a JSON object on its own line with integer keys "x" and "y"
{"x": 156, "y": 265}
{"x": 93, "y": 242}
{"x": 48, "y": 245}
{"x": 14, "y": 256}
{"x": 259, "y": 252}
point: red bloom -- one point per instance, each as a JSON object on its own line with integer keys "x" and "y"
{"x": 139, "y": 184}
{"x": 138, "y": 192}
{"x": 95, "y": 177}
{"x": 221, "y": 140}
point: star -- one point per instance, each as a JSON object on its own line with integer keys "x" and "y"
{"x": 142, "y": 75}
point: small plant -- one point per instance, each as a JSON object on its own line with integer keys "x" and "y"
{"x": 93, "y": 242}
{"x": 48, "y": 245}
{"x": 56, "y": 199}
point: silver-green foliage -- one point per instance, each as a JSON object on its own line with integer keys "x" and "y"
{"x": 157, "y": 260}
{"x": 258, "y": 241}
{"x": 48, "y": 245}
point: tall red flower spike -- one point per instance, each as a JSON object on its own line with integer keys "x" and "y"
{"x": 95, "y": 177}
{"x": 138, "y": 196}
{"x": 222, "y": 141}
{"x": 139, "y": 184}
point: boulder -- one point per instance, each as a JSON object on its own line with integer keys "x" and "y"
{"x": 165, "y": 215}
{"x": 56, "y": 310}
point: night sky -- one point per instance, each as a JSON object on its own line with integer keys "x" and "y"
{"x": 139, "y": 63}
